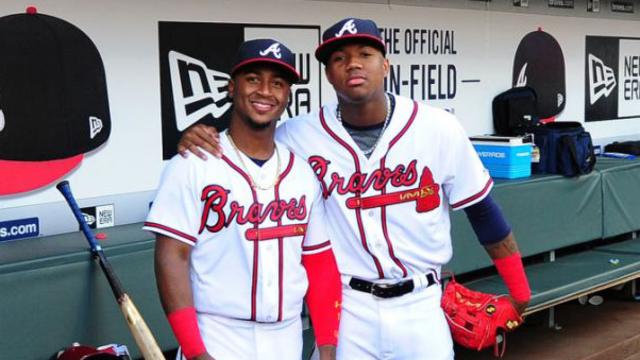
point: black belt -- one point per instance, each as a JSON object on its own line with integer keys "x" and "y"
{"x": 388, "y": 290}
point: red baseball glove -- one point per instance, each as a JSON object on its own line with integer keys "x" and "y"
{"x": 478, "y": 320}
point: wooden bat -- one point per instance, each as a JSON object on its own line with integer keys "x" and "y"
{"x": 139, "y": 329}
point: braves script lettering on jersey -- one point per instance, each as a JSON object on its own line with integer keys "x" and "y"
{"x": 247, "y": 243}
{"x": 389, "y": 220}
{"x": 389, "y": 214}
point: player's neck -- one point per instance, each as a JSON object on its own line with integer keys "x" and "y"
{"x": 364, "y": 114}
{"x": 255, "y": 143}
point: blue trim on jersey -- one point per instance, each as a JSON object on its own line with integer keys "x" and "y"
{"x": 487, "y": 221}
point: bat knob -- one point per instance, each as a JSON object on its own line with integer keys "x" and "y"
{"x": 62, "y": 184}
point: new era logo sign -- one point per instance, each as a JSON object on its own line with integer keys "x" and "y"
{"x": 95, "y": 126}
{"x": 602, "y": 79}
{"x": 89, "y": 219}
{"x": 98, "y": 217}
{"x": 197, "y": 90}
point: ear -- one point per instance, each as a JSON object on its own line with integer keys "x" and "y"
{"x": 231, "y": 87}
{"x": 385, "y": 66}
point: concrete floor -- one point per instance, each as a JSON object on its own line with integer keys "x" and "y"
{"x": 610, "y": 331}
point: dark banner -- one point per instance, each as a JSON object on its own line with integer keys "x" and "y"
{"x": 612, "y": 73}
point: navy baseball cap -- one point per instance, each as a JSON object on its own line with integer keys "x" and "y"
{"x": 53, "y": 100}
{"x": 268, "y": 51}
{"x": 349, "y": 30}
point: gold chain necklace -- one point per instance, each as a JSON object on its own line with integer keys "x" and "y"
{"x": 387, "y": 117}
{"x": 254, "y": 184}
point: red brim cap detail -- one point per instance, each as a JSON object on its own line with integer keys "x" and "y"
{"x": 295, "y": 76}
{"x": 324, "y": 50}
{"x": 23, "y": 176}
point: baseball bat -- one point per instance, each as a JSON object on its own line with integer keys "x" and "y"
{"x": 139, "y": 329}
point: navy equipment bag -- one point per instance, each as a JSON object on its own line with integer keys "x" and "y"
{"x": 514, "y": 111}
{"x": 565, "y": 149}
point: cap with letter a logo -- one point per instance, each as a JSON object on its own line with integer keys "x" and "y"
{"x": 268, "y": 51}
{"x": 349, "y": 30}
{"x": 53, "y": 100}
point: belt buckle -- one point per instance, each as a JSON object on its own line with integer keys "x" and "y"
{"x": 381, "y": 290}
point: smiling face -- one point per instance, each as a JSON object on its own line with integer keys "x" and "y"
{"x": 260, "y": 94}
{"x": 357, "y": 72}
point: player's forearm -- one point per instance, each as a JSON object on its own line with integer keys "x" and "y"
{"x": 327, "y": 352}
{"x": 503, "y": 248}
{"x": 174, "y": 286}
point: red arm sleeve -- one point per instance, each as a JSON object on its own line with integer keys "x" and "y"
{"x": 512, "y": 272}
{"x": 324, "y": 296}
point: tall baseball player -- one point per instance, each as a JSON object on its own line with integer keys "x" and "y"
{"x": 391, "y": 169}
{"x": 241, "y": 239}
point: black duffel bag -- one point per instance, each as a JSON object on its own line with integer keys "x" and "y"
{"x": 565, "y": 148}
{"x": 625, "y": 147}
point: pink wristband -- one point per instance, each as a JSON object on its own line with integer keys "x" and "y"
{"x": 185, "y": 326}
{"x": 512, "y": 272}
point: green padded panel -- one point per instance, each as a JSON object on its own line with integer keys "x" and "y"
{"x": 621, "y": 195}
{"x": 546, "y": 212}
{"x": 572, "y": 274}
{"x": 53, "y": 295}
{"x": 631, "y": 247}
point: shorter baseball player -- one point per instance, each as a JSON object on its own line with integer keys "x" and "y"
{"x": 241, "y": 239}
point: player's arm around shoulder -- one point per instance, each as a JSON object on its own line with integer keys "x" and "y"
{"x": 198, "y": 139}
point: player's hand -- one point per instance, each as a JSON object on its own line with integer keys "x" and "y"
{"x": 200, "y": 136}
{"x": 520, "y": 306}
{"x": 327, "y": 352}
{"x": 203, "y": 356}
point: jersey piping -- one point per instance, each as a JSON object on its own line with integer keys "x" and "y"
{"x": 276, "y": 191}
{"x": 256, "y": 247}
{"x": 171, "y": 232}
{"x": 472, "y": 198}
{"x": 383, "y": 208}
{"x": 363, "y": 237}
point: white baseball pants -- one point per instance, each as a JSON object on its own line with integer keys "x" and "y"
{"x": 408, "y": 327}
{"x": 230, "y": 339}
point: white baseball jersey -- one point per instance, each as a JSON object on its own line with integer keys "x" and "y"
{"x": 247, "y": 243}
{"x": 388, "y": 215}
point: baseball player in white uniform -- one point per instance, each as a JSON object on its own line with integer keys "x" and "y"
{"x": 241, "y": 239}
{"x": 391, "y": 169}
